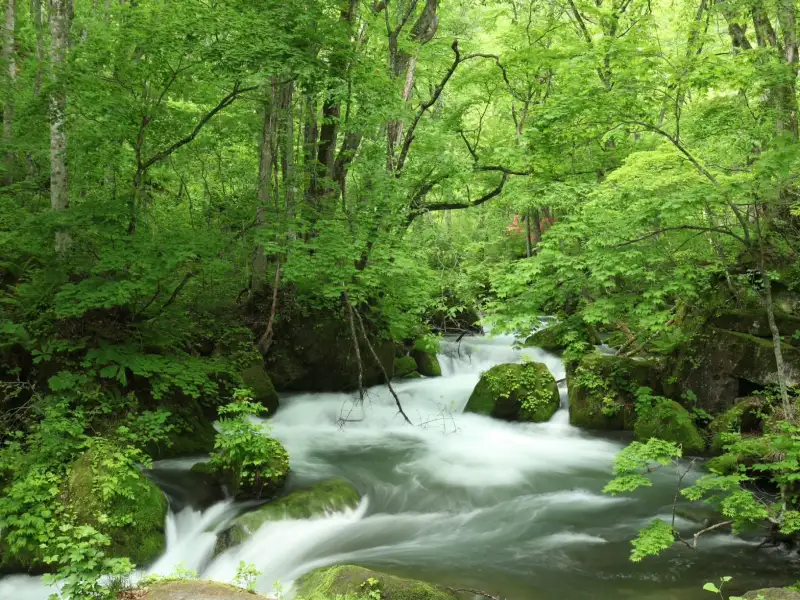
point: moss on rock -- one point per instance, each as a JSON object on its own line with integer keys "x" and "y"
{"x": 135, "y": 523}
{"x": 754, "y": 322}
{"x": 404, "y": 366}
{"x": 602, "y": 390}
{"x": 428, "y": 363}
{"x": 772, "y": 594}
{"x": 334, "y": 495}
{"x": 256, "y": 378}
{"x": 195, "y": 590}
{"x": 194, "y": 432}
{"x": 516, "y": 392}
{"x": 743, "y": 417}
{"x": 669, "y": 421}
{"x": 328, "y": 583}
{"x": 558, "y": 336}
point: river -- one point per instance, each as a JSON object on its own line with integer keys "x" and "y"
{"x": 462, "y": 500}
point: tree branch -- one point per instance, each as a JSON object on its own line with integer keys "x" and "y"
{"x": 684, "y": 228}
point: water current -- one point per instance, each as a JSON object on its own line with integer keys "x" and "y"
{"x": 458, "y": 499}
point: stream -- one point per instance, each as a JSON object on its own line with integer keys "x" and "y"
{"x": 460, "y": 499}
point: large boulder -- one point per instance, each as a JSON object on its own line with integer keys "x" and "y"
{"x": 718, "y": 365}
{"x": 516, "y": 392}
{"x": 315, "y": 353}
{"x": 134, "y": 522}
{"x": 427, "y": 363}
{"x": 669, "y": 421}
{"x": 190, "y": 590}
{"x": 755, "y": 322}
{"x": 404, "y": 366}
{"x": 772, "y": 594}
{"x": 558, "y": 336}
{"x": 335, "y": 495}
{"x": 256, "y": 378}
{"x": 602, "y": 390}
{"x": 350, "y": 581}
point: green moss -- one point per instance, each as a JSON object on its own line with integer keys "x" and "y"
{"x": 726, "y": 464}
{"x": 404, "y": 365}
{"x": 743, "y": 417}
{"x": 669, "y": 421}
{"x": 329, "y": 496}
{"x": 194, "y": 433}
{"x": 754, "y": 322}
{"x": 197, "y": 590}
{"x": 428, "y": 363}
{"x": 325, "y": 584}
{"x": 602, "y": 390}
{"x": 516, "y": 392}
{"x": 135, "y": 523}
{"x": 256, "y": 378}
{"x": 558, "y": 336}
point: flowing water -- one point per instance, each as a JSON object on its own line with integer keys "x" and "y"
{"x": 459, "y": 499}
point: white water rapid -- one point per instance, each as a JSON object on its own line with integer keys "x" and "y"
{"x": 458, "y": 499}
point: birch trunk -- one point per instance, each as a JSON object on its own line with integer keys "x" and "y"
{"x": 60, "y": 21}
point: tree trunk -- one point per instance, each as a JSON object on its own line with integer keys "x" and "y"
{"x": 36, "y": 12}
{"x": 60, "y": 22}
{"x": 287, "y": 157}
{"x": 265, "y": 169}
{"x": 787, "y": 18}
{"x": 528, "y": 249}
{"x": 10, "y": 61}
{"x": 537, "y": 226}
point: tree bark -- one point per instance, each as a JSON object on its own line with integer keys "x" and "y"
{"x": 10, "y": 61}
{"x": 36, "y": 13}
{"x": 287, "y": 155}
{"x": 528, "y": 249}
{"x": 265, "y": 169}
{"x": 60, "y": 23}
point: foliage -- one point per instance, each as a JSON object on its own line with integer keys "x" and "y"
{"x": 246, "y": 575}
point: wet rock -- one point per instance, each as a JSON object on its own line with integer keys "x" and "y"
{"x": 556, "y": 337}
{"x": 772, "y": 594}
{"x": 256, "y": 378}
{"x": 346, "y": 580}
{"x": 191, "y": 590}
{"x": 428, "y": 363}
{"x": 404, "y": 366}
{"x": 602, "y": 390}
{"x": 335, "y": 495}
{"x": 754, "y": 322}
{"x": 669, "y": 421}
{"x": 516, "y": 392}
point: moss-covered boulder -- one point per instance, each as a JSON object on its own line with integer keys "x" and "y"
{"x": 134, "y": 522}
{"x": 314, "y": 352}
{"x": 516, "y": 392}
{"x": 256, "y": 378}
{"x": 558, "y": 336}
{"x": 744, "y": 417}
{"x": 191, "y": 590}
{"x": 668, "y": 420}
{"x": 404, "y": 366}
{"x": 755, "y": 322}
{"x": 428, "y": 363}
{"x": 717, "y": 364}
{"x": 772, "y": 594}
{"x": 335, "y": 495}
{"x": 346, "y": 580}
{"x": 602, "y": 390}
{"x": 193, "y": 430}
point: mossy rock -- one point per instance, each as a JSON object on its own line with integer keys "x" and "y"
{"x": 194, "y": 432}
{"x": 193, "y": 590}
{"x": 602, "y": 390}
{"x": 314, "y": 352}
{"x": 516, "y": 392}
{"x": 755, "y": 322}
{"x": 428, "y": 363}
{"x": 772, "y": 594}
{"x": 335, "y": 495}
{"x": 332, "y": 582}
{"x": 403, "y": 366}
{"x": 142, "y": 539}
{"x": 715, "y": 362}
{"x": 669, "y": 421}
{"x": 256, "y": 378}
{"x": 556, "y": 337}
{"x": 743, "y": 417}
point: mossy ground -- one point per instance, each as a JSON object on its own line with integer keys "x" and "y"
{"x": 325, "y": 584}
{"x": 516, "y": 392}
{"x": 191, "y": 590}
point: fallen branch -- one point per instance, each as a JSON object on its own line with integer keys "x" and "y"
{"x": 266, "y": 340}
{"x": 356, "y": 348}
{"x": 379, "y": 363}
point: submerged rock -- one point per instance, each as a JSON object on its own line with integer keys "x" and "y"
{"x": 602, "y": 390}
{"x": 346, "y": 580}
{"x": 772, "y": 594}
{"x": 191, "y": 590}
{"x": 669, "y": 421}
{"x": 516, "y": 392}
{"x": 428, "y": 363}
{"x": 335, "y": 495}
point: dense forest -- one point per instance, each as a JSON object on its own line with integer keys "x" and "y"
{"x": 211, "y": 207}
